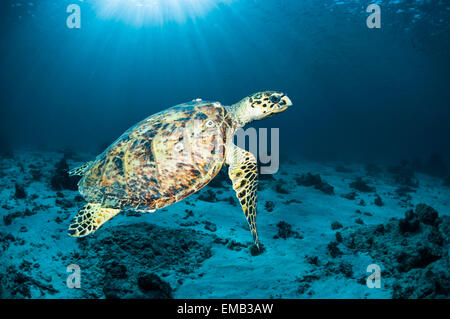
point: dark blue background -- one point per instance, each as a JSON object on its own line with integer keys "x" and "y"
{"x": 358, "y": 93}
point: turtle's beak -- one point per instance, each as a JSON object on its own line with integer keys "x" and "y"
{"x": 284, "y": 103}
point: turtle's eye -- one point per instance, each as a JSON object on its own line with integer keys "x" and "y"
{"x": 210, "y": 123}
{"x": 275, "y": 99}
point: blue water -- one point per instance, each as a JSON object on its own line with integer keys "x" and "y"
{"x": 360, "y": 95}
{"x": 358, "y": 92}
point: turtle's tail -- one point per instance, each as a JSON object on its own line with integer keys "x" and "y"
{"x": 80, "y": 170}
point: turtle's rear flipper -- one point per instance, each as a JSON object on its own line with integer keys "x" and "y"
{"x": 90, "y": 218}
{"x": 80, "y": 170}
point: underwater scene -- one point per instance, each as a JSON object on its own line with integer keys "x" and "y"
{"x": 224, "y": 149}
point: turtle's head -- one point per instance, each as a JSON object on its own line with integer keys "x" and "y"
{"x": 260, "y": 105}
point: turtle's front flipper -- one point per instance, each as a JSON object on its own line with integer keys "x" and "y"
{"x": 90, "y": 218}
{"x": 80, "y": 170}
{"x": 243, "y": 172}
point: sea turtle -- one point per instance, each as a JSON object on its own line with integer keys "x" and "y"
{"x": 171, "y": 155}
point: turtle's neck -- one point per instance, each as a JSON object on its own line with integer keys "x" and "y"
{"x": 238, "y": 112}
